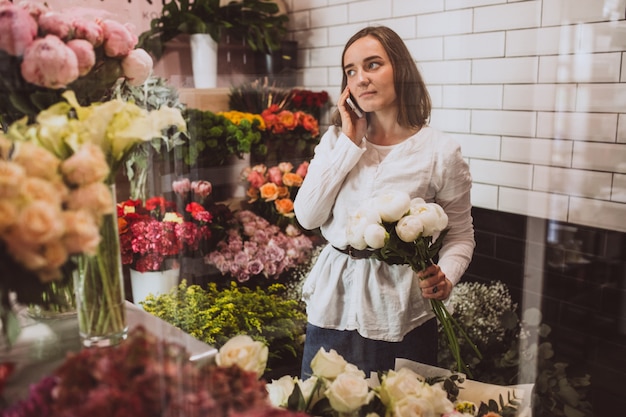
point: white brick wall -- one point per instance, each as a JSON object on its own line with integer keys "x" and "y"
{"x": 533, "y": 90}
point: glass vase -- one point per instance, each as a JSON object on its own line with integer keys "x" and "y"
{"x": 99, "y": 286}
{"x": 58, "y": 301}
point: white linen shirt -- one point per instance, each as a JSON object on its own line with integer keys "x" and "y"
{"x": 380, "y": 301}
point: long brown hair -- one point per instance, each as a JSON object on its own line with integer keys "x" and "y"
{"x": 414, "y": 103}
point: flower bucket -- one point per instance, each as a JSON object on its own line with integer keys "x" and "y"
{"x": 99, "y": 286}
{"x": 203, "y": 60}
{"x": 152, "y": 282}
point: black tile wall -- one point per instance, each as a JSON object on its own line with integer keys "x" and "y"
{"x": 583, "y": 293}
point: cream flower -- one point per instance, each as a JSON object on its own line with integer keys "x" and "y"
{"x": 279, "y": 390}
{"x": 432, "y": 216}
{"x": 392, "y": 205}
{"x": 81, "y": 232}
{"x": 409, "y": 228}
{"x": 399, "y": 384}
{"x": 243, "y": 351}
{"x": 95, "y": 198}
{"x": 137, "y": 66}
{"x": 36, "y": 161}
{"x": 411, "y": 406}
{"x": 328, "y": 364}
{"x": 85, "y": 166}
{"x": 348, "y": 392}
{"x": 375, "y": 236}
{"x": 11, "y": 175}
{"x": 38, "y": 223}
{"x": 357, "y": 223}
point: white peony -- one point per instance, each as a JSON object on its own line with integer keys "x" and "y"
{"x": 432, "y": 216}
{"x": 392, "y": 205}
{"x": 409, "y": 228}
{"x": 375, "y": 236}
{"x": 357, "y": 223}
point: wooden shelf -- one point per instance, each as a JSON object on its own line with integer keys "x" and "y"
{"x": 211, "y": 99}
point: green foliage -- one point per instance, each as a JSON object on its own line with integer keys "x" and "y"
{"x": 256, "y": 21}
{"x": 212, "y": 139}
{"x": 214, "y": 316}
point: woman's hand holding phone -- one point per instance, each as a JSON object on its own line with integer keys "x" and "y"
{"x": 353, "y": 121}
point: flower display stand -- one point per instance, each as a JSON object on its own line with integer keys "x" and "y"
{"x": 152, "y": 282}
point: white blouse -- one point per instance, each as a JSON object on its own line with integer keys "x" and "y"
{"x": 380, "y": 301}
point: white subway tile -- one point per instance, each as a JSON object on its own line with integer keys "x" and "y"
{"x": 482, "y": 45}
{"x": 597, "y": 213}
{"x": 538, "y": 41}
{"x": 339, "y": 35}
{"x": 405, "y": 27}
{"x": 580, "y": 68}
{"x": 509, "y": 16}
{"x": 325, "y": 57}
{"x": 446, "y": 23}
{"x": 436, "y": 95}
{"x": 312, "y": 38}
{"x": 329, "y": 16}
{"x": 473, "y": 96}
{"x": 609, "y": 157}
{"x": 602, "y": 37}
{"x": 299, "y": 21}
{"x": 561, "y": 12}
{"x": 465, "y": 4}
{"x": 505, "y": 70}
{"x": 601, "y": 98}
{"x": 484, "y": 196}
{"x": 618, "y": 193}
{"x": 573, "y": 182}
{"x": 427, "y": 49}
{"x": 622, "y": 78}
{"x": 315, "y": 76}
{"x": 510, "y": 123}
{"x": 335, "y": 75}
{"x": 533, "y": 203}
{"x": 446, "y": 72}
{"x": 297, "y": 5}
{"x": 539, "y": 97}
{"x": 621, "y": 129}
{"x": 362, "y": 11}
{"x": 537, "y": 151}
{"x": 415, "y": 7}
{"x": 501, "y": 173}
{"x": 479, "y": 146}
{"x": 595, "y": 127}
{"x": 450, "y": 120}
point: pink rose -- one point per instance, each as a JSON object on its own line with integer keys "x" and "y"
{"x": 256, "y": 179}
{"x": 275, "y": 175}
{"x": 18, "y": 29}
{"x": 90, "y": 30}
{"x": 202, "y": 189}
{"x": 137, "y": 66}
{"x": 303, "y": 169}
{"x": 118, "y": 39}
{"x": 54, "y": 23}
{"x": 49, "y": 63}
{"x": 85, "y": 55}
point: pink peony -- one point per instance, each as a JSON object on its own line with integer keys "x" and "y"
{"x": 202, "y": 188}
{"x": 303, "y": 169}
{"x": 137, "y": 66}
{"x": 18, "y": 29}
{"x": 34, "y": 8}
{"x": 90, "y": 30}
{"x": 275, "y": 175}
{"x": 118, "y": 39}
{"x": 49, "y": 63}
{"x": 85, "y": 55}
{"x": 54, "y": 23}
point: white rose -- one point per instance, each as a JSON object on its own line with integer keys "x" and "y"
{"x": 243, "y": 351}
{"x": 409, "y": 228}
{"x": 399, "y": 384}
{"x": 328, "y": 364}
{"x": 392, "y": 205}
{"x": 348, "y": 392}
{"x": 437, "y": 398}
{"x": 307, "y": 388}
{"x": 357, "y": 223}
{"x": 411, "y": 406}
{"x": 375, "y": 236}
{"x": 279, "y": 390}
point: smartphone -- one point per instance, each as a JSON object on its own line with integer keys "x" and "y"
{"x": 354, "y": 107}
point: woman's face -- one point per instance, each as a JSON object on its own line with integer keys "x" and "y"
{"x": 369, "y": 74}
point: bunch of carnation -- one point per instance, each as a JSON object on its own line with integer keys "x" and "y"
{"x": 255, "y": 247}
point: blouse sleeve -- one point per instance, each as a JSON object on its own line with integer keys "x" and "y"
{"x": 453, "y": 196}
{"x": 334, "y": 157}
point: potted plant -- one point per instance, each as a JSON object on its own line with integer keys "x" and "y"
{"x": 258, "y": 23}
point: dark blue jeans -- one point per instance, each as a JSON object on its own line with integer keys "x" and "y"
{"x": 419, "y": 345}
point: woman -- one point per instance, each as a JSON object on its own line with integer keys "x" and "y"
{"x": 368, "y": 311}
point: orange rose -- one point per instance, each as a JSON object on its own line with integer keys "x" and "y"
{"x": 309, "y": 123}
{"x": 284, "y": 206}
{"x": 253, "y": 194}
{"x": 291, "y": 179}
{"x": 269, "y": 191}
{"x": 283, "y": 192}
{"x": 288, "y": 119}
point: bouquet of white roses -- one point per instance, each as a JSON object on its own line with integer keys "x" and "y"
{"x": 406, "y": 231}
